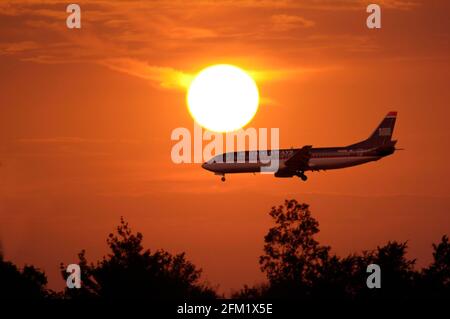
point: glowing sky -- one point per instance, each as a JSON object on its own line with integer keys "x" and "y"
{"x": 86, "y": 117}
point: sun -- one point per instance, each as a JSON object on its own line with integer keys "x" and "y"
{"x": 223, "y": 98}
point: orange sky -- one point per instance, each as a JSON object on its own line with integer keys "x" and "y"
{"x": 86, "y": 117}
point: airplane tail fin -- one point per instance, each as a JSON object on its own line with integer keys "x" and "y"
{"x": 382, "y": 136}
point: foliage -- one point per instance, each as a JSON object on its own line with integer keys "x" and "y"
{"x": 130, "y": 272}
{"x": 27, "y": 283}
{"x": 296, "y": 265}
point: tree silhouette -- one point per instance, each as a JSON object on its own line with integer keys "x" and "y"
{"x": 436, "y": 278}
{"x": 295, "y": 263}
{"x": 130, "y": 272}
{"x": 28, "y": 283}
{"x": 297, "y": 266}
{"x": 293, "y": 259}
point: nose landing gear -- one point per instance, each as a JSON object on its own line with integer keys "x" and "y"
{"x": 222, "y": 178}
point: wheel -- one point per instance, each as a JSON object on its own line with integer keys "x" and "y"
{"x": 223, "y": 179}
{"x": 303, "y": 177}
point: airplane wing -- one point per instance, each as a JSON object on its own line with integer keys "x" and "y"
{"x": 299, "y": 160}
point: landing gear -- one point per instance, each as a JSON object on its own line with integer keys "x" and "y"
{"x": 222, "y": 178}
{"x": 302, "y": 176}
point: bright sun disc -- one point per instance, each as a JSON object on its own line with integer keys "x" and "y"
{"x": 223, "y": 98}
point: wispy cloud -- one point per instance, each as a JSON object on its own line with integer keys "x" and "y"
{"x": 286, "y": 22}
{"x": 67, "y": 146}
{"x": 267, "y": 75}
{"x": 16, "y": 47}
{"x": 74, "y": 140}
{"x": 165, "y": 77}
{"x": 125, "y": 35}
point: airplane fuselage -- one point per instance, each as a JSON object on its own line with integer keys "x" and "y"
{"x": 325, "y": 158}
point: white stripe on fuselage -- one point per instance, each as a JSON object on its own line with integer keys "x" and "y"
{"x": 315, "y": 163}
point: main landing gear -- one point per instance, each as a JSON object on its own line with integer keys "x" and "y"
{"x": 302, "y": 176}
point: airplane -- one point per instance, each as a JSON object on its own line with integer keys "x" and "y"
{"x": 295, "y": 162}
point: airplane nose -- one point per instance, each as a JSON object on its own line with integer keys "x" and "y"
{"x": 206, "y": 166}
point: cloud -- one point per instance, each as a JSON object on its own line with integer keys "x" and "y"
{"x": 173, "y": 35}
{"x": 74, "y": 140}
{"x": 192, "y": 33}
{"x": 63, "y": 146}
{"x": 165, "y": 77}
{"x": 170, "y": 78}
{"x": 285, "y": 74}
{"x": 328, "y": 5}
{"x": 16, "y": 47}
{"x": 285, "y": 22}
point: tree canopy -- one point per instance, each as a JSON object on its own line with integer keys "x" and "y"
{"x": 296, "y": 265}
{"x": 131, "y": 272}
{"x": 26, "y": 283}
